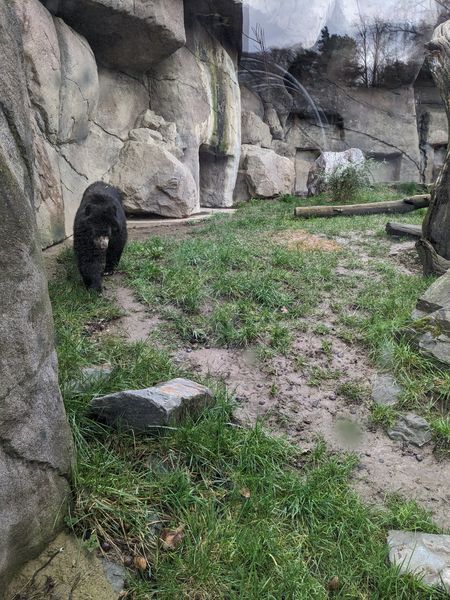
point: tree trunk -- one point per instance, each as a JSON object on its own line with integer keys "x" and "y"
{"x": 436, "y": 226}
{"x": 373, "y": 208}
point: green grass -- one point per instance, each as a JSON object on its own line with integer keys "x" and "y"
{"x": 441, "y": 430}
{"x": 301, "y": 526}
{"x": 233, "y": 283}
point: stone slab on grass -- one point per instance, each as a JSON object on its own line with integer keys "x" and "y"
{"x": 412, "y": 429}
{"x": 437, "y": 296}
{"x": 424, "y": 555}
{"x": 166, "y": 404}
{"x": 435, "y": 347}
{"x": 385, "y": 390}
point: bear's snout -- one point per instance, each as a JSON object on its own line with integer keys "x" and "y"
{"x": 102, "y": 242}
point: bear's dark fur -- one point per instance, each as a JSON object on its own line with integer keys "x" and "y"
{"x": 99, "y": 233}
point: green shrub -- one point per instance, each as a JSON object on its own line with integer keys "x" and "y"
{"x": 347, "y": 181}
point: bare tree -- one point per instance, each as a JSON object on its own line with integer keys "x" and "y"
{"x": 373, "y": 39}
{"x": 379, "y": 46}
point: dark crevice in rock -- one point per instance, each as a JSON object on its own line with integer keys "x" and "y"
{"x": 108, "y": 132}
{"x": 424, "y": 130}
{"x": 13, "y": 453}
{"x": 73, "y": 168}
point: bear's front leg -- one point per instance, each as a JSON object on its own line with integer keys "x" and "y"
{"x": 91, "y": 274}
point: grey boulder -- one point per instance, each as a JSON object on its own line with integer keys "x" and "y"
{"x": 254, "y": 131}
{"x": 385, "y": 390}
{"x": 437, "y": 296}
{"x": 424, "y": 555}
{"x": 412, "y": 429}
{"x": 166, "y": 404}
{"x": 264, "y": 174}
{"x": 154, "y": 181}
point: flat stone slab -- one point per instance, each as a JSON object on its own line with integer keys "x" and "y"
{"x": 437, "y": 296}
{"x": 412, "y": 429}
{"x": 430, "y": 333}
{"x": 385, "y": 390}
{"x": 437, "y": 348}
{"x": 424, "y": 555}
{"x": 168, "y": 403}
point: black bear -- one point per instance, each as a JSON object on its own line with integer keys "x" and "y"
{"x": 99, "y": 233}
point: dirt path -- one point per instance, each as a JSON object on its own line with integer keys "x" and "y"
{"x": 305, "y": 412}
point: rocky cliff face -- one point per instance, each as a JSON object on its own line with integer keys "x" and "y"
{"x": 345, "y": 75}
{"x": 95, "y": 68}
{"x": 145, "y": 95}
{"x": 35, "y": 442}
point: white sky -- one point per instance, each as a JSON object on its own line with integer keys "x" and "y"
{"x": 290, "y": 22}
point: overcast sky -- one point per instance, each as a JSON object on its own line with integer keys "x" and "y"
{"x": 292, "y": 22}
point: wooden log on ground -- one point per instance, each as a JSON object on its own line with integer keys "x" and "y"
{"x": 373, "y": 208}
{"x": 403, "y": 230}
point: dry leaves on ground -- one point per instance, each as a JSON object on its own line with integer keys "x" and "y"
{"x": 172, "y": 538}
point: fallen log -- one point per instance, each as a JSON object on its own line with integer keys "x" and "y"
{"x": 403, "y": 230}
{"x": 373, "y": 208}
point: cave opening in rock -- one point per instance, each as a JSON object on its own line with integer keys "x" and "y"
{"x": 213, "y": 177}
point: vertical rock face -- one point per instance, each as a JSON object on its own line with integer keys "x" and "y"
{"x": 197, "y": 89}
{"x": 94, "y": 66}
{"x": 35, "y": 442}
{"x": 436, "y": 225}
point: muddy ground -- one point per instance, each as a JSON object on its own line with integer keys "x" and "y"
{"x": 282, "y": 392}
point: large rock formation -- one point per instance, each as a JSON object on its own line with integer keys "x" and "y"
{"x": 197, "y": 88}
{"x": 95, "y": 66}
{"x": 35, "y": 442}
{"x": 126, "y": 34}
{"x": 346, "y": 75}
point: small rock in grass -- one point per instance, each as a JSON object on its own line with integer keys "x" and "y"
{"x": 436, "y": 347}
{"x": 166, "y": 404}
{"x": 385, "y": 390}
{"x": 425, "y": 555}
{"x": 115, "y": 574}
{"x": 92, "y": 375}
{"x": 412, "y": 429}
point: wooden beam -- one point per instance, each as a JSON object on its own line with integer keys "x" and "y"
{"x": 373, "y": 208}
{"x": 404, "y": 230}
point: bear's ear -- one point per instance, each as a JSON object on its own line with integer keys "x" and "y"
{"x": 87, "y": 211}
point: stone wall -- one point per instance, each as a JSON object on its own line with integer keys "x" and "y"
{"x": 346, "y": 75}
{"x": 145, "y": 95}
{"x": 404, "y": 131}
{"x": 35, "y": 442}
{"x": 96, "y": 68}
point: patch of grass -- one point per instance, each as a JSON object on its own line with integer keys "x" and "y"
{"x": 260, "y": 521}
{"x": 441, "y": 430}
{"x": 346, "y": 182}
{"x": 237, "y": 290}
{"x": 354, "y": 391}
{"x": 236, "y": 283}
{"x": 384, "y": 416}
{"x": 319, "y": 375}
